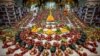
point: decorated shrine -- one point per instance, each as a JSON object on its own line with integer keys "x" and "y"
{"x": 52, "y": 38}
{"x": 49, "y": 28}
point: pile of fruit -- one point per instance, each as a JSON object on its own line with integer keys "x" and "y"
{"x": 61, "y": 42}
{"x": 39, "y": 44}
{"x": 56, "y": 30}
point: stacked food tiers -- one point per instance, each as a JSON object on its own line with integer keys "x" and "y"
{"x": 50, "y": 23}
{"x": 51, "y": 40}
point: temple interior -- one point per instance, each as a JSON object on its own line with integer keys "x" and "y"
{"x": 49, "y": 27}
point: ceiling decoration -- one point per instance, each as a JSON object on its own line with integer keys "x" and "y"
{"x": 40, "y": 2}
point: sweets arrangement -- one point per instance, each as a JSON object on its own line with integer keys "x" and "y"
{"x": 54, "y": 39}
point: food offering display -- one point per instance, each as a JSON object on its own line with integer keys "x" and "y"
{"x": 50, "y": 39}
